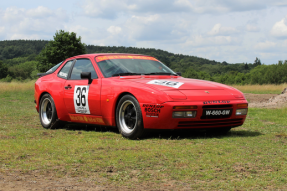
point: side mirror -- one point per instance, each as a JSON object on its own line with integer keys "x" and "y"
{"x": 87, "y": 75}
{"x": 178, "y": 73}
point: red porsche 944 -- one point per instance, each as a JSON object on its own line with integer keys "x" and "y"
{"x": 134, "y": 93}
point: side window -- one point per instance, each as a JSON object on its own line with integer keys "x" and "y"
{"x": 64, "y": 72}
{"x": 83, "y": 65}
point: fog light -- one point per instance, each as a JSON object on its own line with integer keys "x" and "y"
{"x": 178, "y": 114}
{"x": 241, "y": 112}
{"x": 184, "y": 114}
{"x": 190, "y": 113}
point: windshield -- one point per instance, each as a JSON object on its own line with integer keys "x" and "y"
{"x": 54, "y": 68}
{"x": 121, "y": 67}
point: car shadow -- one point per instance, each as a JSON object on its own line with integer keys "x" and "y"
{"x": 195, "y": 134}
{"x": 167, "y": 134}
{"x": 88, "y": 127}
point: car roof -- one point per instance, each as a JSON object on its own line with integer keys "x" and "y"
{"x": 105, "y": 54}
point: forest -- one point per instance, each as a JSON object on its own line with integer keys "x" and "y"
{"x": 19, "y": 58}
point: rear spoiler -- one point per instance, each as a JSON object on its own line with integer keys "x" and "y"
{"x": 43, "y": 74}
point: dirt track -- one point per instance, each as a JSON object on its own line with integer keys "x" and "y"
{"x": 266, "y": 100}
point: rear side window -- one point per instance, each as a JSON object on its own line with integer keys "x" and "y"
{"x": 64, "y": 72}
{"x": 83, "y": 65}
{"x": 54, "y": 68}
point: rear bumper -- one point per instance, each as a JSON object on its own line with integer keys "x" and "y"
{"x": 159, "y": 116}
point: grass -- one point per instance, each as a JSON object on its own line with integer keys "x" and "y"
{"x": 16, "y": 86}
{"x": 250, "y": 157}
{"x": 261, "y": 89}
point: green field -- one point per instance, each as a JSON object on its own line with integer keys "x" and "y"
{"x": 250, "y": 157}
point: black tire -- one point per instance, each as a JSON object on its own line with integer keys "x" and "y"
{"x": 129, "y": 117}
{"x": 47, "y": 112}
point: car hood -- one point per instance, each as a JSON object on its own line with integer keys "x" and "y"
{"x": 178, "y": 84}
{"x": 190, "y": 89}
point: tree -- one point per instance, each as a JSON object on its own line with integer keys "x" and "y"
{"x": 257, "y": 62}
{"x": 22, "y": 71}
{"x": 3, "y": 70}
{"x": 246, "y": 66}
{"x": 64, "y": 45}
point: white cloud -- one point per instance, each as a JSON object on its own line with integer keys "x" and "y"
{"x": 110, "y": 9}
{"x": 284, "y": 44}
{"x": 155, "y": 28}
{"x": 280, "y": 28}
{"x": 220, "y": 30}
{"x": 252, "y": 28}
{"x": 201, "y": 41}
{"x": 39, "y": 12}
{"x": 264, "y": 46}
{"x": 114, "y": 30}
{"x": 32, "y": 23}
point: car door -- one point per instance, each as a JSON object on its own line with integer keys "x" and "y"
{"x": 81, "y": 97}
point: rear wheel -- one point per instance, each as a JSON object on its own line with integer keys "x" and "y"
{"x": 129, "y": 117}
{"x": 47, "y": 112}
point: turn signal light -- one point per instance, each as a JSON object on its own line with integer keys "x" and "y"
{"x": 185, "y": 107}
{"x": 242, "y": 105}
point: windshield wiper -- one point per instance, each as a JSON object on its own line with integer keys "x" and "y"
{"x": 160, "y": 73}
{"x": 126, "y": 74}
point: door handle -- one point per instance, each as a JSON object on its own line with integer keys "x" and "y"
{"x": 68, "y": 87}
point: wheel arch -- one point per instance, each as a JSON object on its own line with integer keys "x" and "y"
{"x": 60, "y": 109}
{"x": 42, "y": 94}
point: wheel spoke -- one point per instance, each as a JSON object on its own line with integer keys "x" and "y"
{"x": 129, "y": 108}
{"x": 49, "y": 114}
{"x": 132, "y": 123}
{"x": 126, "y": 117}
{"x": 133, "y": 111}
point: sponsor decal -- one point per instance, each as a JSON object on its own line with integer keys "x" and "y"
{"x": 81, "y": 103}
{"x": 171, "y": 84}
{"x": 215, "y": 102}
{"x": 152, "y": 110}
{"x": 63, "y": 74}
{"x": 86, "y": 119}
{"x": 101, "y": 58}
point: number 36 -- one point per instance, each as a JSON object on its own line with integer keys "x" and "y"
{"x": 81, "y": 97}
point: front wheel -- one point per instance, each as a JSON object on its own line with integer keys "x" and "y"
{"x": 129, "y": 117}
{"x": 47, "y": 112}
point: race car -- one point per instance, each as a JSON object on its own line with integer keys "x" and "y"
{"x": 134, "y": 93}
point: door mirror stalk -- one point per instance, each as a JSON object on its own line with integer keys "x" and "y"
{"x": 87, "y": 75}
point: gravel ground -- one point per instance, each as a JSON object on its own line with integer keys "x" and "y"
{"x": 267, "y": 100}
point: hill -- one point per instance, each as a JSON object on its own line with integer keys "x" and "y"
{"x": 18, "y": 61}
{"x": 11, "y": 52}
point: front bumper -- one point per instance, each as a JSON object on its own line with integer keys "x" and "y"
{"x": 159, "y": 116}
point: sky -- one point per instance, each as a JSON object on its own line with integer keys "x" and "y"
{"x": 221, "y": 30}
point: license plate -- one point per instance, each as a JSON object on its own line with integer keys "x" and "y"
{"x": 216, "y": 112}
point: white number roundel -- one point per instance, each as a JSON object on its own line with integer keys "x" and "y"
{"x": 81, "y": 103}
